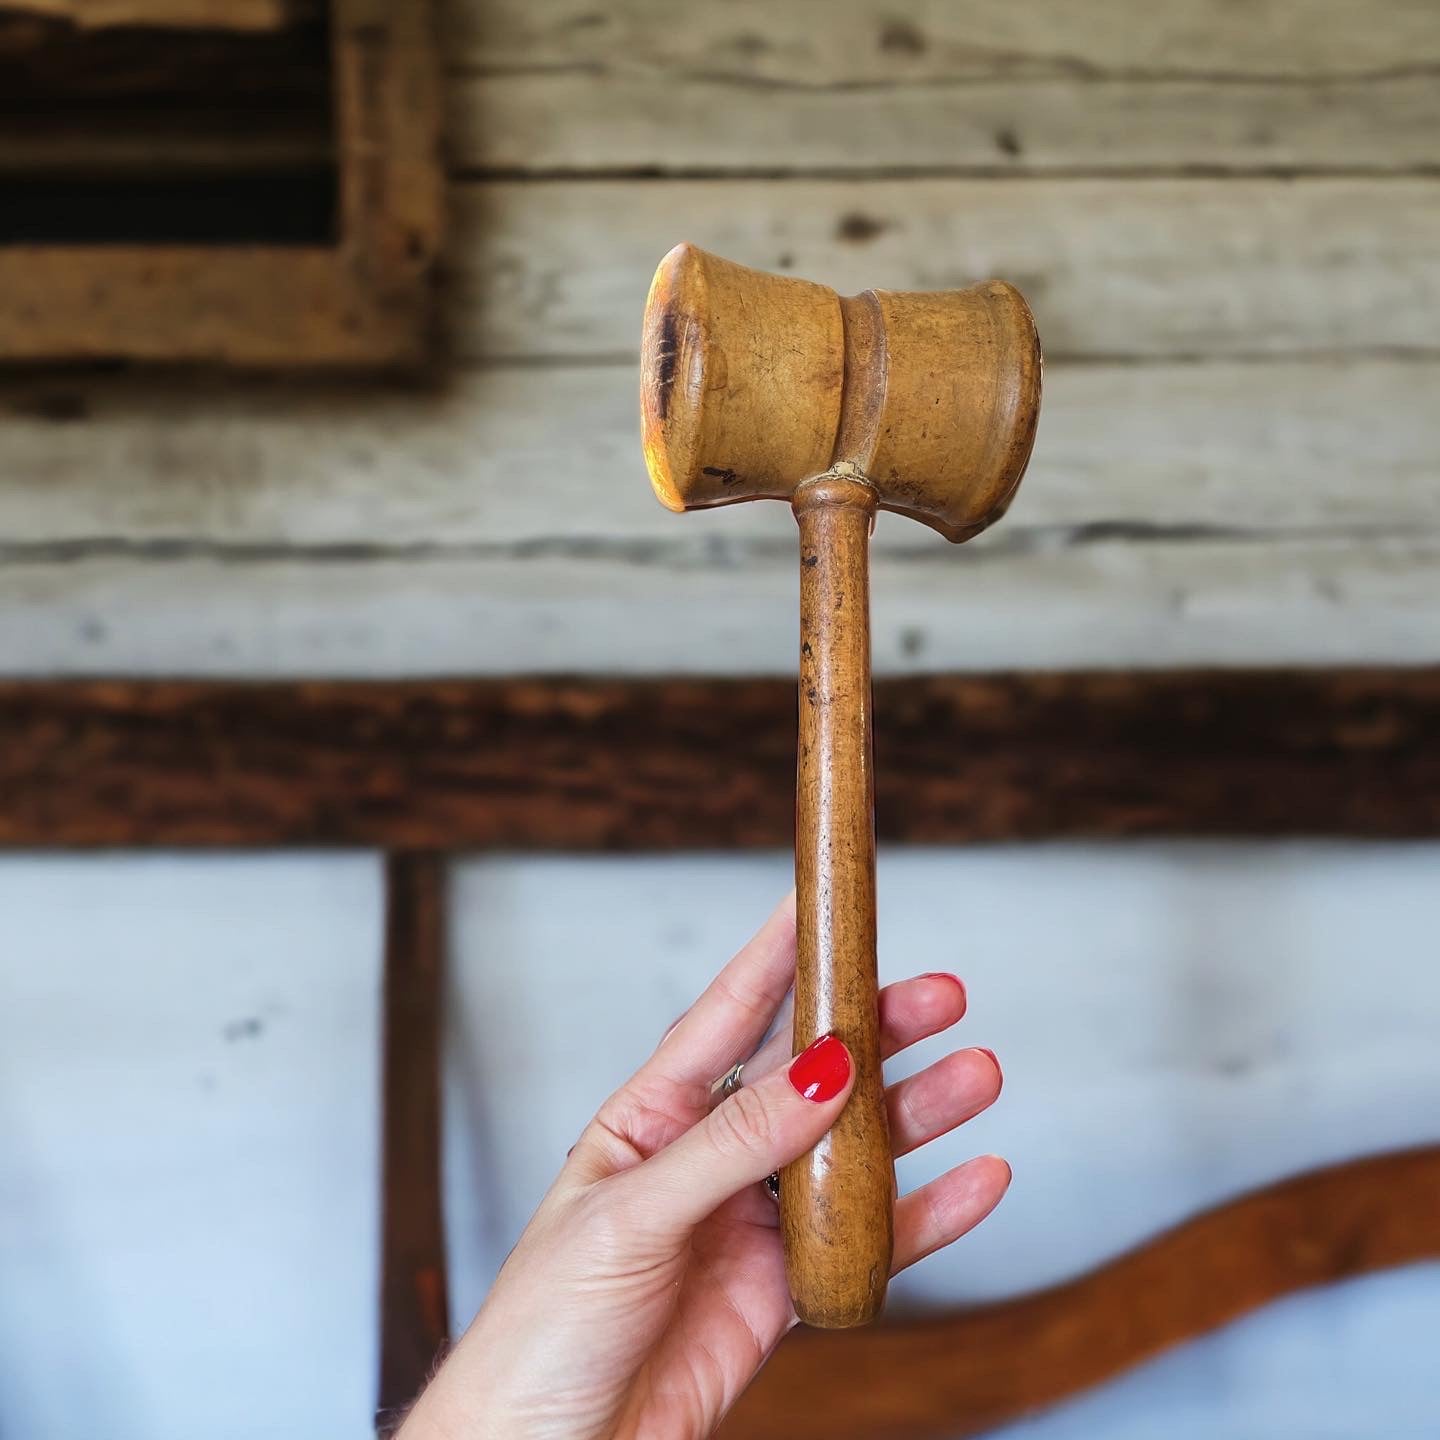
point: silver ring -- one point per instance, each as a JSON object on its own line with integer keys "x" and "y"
{"x": 726, "y": 1085}
{"x": 723, "y": 1089}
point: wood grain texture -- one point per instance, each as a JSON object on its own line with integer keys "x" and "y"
{"x": 752, "y": 385}
{"x": 1171, "y": 267}
{"x": 582, "y": 121}
{"x": 414, "y": 1307}
{"x": 573, "y": 765}
{"x": 1112, "y": 598}
{"x": 974, "y": 1370}
{"x": 877, "y": 85}
{"x": 1267, "y": 452}
{"x": 819, "y": 43}
{"x": 174, "y": 302}
{"x": 362, "y": 303}
{"x": 837, "y": 1200}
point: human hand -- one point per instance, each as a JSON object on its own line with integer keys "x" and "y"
{"x": 649, "y": 1287}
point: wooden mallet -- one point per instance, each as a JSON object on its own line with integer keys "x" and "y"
{"x": 764, "y": 387}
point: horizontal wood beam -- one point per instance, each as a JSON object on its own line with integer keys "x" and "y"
{"x": 696, "y": 764}
{"x": 987, "y": 86}
{"x": 971, "y": 1371}
{"x": 1172, "y": 268}
{"x": 190, "y": 466}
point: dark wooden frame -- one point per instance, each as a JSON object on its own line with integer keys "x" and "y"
{"x": 423, "y": 769}
{"x": 363, "y": 303}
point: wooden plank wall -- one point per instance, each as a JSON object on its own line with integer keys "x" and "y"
{"x": 1226, "y": 217}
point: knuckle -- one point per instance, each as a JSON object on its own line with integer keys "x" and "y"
{"x": 743, "y": 1122}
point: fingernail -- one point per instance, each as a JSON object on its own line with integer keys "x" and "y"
{"x": 944, "y": 975}
{"x": 819, "y": 1072}
{"x": 994, "y": 1060}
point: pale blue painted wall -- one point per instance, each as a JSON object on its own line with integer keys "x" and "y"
{"x": 188, "y": 1078}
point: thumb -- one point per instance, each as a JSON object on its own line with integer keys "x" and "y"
{"x": 755, "y": 1131}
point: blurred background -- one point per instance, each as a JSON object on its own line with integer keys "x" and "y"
{"x": 1227, "y": 221}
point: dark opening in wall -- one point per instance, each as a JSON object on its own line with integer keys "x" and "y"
{"x": 149, "y": 133}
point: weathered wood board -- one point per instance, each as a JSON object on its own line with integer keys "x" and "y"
{"x": 601, "y": 766}
{"x": 1311, "y": 448}
{"x": 1153, "y": 269}
{"x": 1236, "y": 460}
{"x": 990, "y": 605}
{"x": 574, "y": 121}
{"x": 758, "y": 88}
{"x": 901, "y": 42}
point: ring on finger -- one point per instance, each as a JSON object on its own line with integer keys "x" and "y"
{"x": 723, "y": 1089}
{"x": 726, "y": 1085}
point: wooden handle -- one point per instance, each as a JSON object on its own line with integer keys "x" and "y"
{"x": 837, "y": 1203}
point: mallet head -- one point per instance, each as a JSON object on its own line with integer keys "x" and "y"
{"x": 752, "y": 384}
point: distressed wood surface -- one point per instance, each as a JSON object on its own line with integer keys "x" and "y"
{"x": 971, "y": 1371}
{"x": 360, "y": 303}
{"x": 1164, "y": 268}
{"x": 578, "y": 120}
{"x": 1103, "y": 601}
{"x": 611, "y": 766}
{"x": 208, "y": 305}
{"x": 917, "y": 84}
{"x": 1283, "y": 449}
{"x": 249, "y": 532}
{"x": 414, "y": 1306}
{"x": 817, "y": 42}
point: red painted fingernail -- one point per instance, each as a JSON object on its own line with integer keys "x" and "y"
{"x": 994, "y": 1060}
{"x": 819, "y": 1072}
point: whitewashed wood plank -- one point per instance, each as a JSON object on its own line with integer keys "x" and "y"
{"x": 578, "y": 121}
{"x": 994, "y": 86}
{"x": 1112, "y": 268}
{"x": 1278, "y": 447}
{"x": 854, "y": 42}
{"x": 981, "y": 607}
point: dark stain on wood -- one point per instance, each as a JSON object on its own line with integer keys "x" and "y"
{"x": 859, "y": 229}
{"x": 900, "y": 37}
{"x": 667, "y": 359}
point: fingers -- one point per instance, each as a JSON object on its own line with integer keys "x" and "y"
{"x": 940, "y": 1097}
{"x": 760, "y": 1128}
{"x": 738, "y": 1006}
{"x": 931, "y": 1217}
{"x": 910, "y": 1010}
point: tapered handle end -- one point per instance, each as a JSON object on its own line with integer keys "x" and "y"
{"x": 837, "y": 1210}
